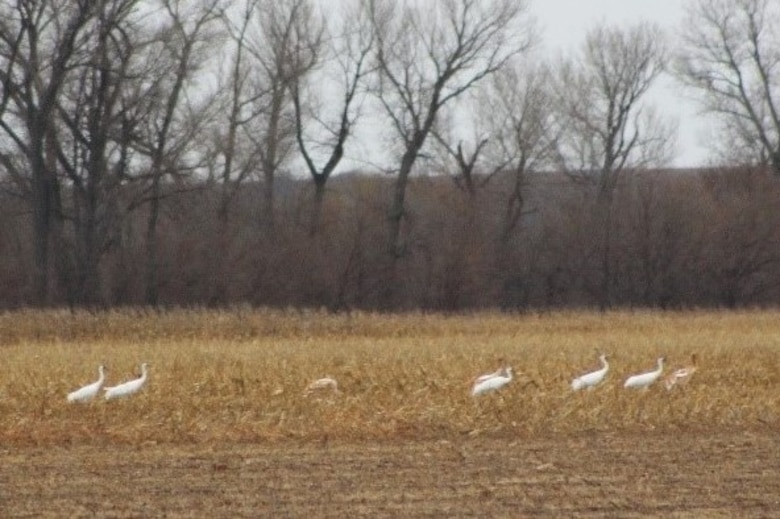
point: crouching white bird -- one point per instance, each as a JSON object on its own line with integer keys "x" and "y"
{"x": 492, "y": 381}
{"x": 322, "y": 385}
{"x": 590, "y": 380}
{"x": 88, "y": 392}
{"x": 128, "y": 388}
{"x": 681, "y": 376}
{"x": 497, "y": 373}
{"x": 644, "y": 380}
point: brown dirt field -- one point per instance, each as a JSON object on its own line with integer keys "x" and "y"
{"x": 684, "y": 474}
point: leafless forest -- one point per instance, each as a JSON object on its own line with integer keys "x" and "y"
{"x": 173, "y": 152}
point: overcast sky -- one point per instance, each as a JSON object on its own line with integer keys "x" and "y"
{"x": 563, "y": 25}
{"x": 565, "y": 22}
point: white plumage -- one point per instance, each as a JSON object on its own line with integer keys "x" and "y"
{"x": 497, "y": 373}
{"x": 492, "y": 381}
{"x": 644, "y": 380}
{"x": 321, "y": 385}
{"x": 88, "y": 392}
{"x": 590, "y": 380}
{"x": 127, "y": 388}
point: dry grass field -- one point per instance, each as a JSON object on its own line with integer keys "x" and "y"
{"x": 223, "y": 425}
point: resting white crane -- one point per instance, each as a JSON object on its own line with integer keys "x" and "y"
{"x": 682, "y": 375}
{"x": 128, "y": 388}
{"x": 492, "y": 381}
{"x": 88, "y": 392}
{"x": 590, "y": 380}
{"x": 644, "y": 380}
{"x": 322, "y": 385}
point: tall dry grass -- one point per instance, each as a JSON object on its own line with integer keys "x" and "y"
{"x": 239, "y": 375}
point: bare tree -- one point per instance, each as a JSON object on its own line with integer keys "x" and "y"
{"x": 349, "y": 50}
{"x": 731, "y": 55}
{"x": 517, "y": 107}
{"x": 428, "y": 54}
{"x": 740, "y": 235}
{"x": 512, "y": 120}
{"x": 464, "y": 161}
{"x": 601, "y": 95}
{"x": 234, "y": 159}
{"x": 39, "y": 46}
{"x": 89, "y": 143}
{"x": 283, "y": 51}
{"x": 178, "y": 52}
{"x": 607, "y": 127}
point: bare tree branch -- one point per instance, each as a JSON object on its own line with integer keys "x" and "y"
{"x": 600, "y": 95}
{"x": 427, "y": 56}
{"x": 731, "y": 54}
{"x": 350, "y": 50}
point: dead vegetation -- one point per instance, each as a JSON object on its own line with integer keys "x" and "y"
{"x": 241, "y": 375}
{"x": 716, "y": 474}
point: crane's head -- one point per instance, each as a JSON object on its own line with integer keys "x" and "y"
{"x": 144, "y": 368}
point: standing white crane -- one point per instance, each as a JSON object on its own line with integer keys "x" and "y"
{"x": 590, "y": 380}
{"x": 492, "y": 381}
{"x": 128, "y": 388}
{"x": 681, "y": 376}
{"x": 88, "y": 392}
{"x": 644, "y": 380}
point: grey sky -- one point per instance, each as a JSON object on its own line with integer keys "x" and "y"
{"x": 563, "y": 25}
{"x": 565, "y": 22}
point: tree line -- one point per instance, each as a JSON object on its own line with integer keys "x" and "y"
{"x": 172, "y": 152}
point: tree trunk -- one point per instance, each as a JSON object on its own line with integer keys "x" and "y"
{"x": 396, "y": 246}
{"x": 41, "y": 217}
{"x": 268, "y": 203}
{"x": 89, "y": 243}
{"x": 271, "y": 158}
{"x": 776, "y": 163}
{"x": 45, "y": 212}
{"x": 152, "y": 261}
{"x": 604, "y": 221}
{"x": 315, "y": 224}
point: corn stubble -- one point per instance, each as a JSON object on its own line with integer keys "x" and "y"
{"x": 226, "y": 376}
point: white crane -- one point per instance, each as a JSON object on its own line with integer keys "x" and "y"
{"x": 128, "y": 388}
{"x": 590, "y": 380}
{"x": 497, "y": 373}
{"x": 681, "y": 376}
{"x": 88, "y": 392}
{"x": 321, "y": 385}
{"x": 492, "y": 381}
{"x": 644, "y": 380}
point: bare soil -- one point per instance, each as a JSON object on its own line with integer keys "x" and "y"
{"x": 673, "y": 475}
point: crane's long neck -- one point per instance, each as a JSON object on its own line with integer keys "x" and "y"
{"x": 102, "y": 375}
{"x": 660, "y": 365}
{"x": 604, "y": 363}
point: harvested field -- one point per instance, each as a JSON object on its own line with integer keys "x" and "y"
{"x": 712, "y": 475}
{"x": 224, "y": 428}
